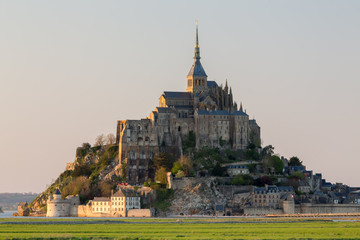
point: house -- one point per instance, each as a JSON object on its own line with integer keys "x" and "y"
{"x": 101, "y": 205}
{"x": 124, "y": 200}
{"x": 236, "y": 168}
{"x": 270, "y": 195}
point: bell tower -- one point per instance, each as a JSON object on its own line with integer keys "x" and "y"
{"x": 196, "y": 78}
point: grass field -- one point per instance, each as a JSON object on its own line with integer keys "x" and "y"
{"x": 178, "y": 229}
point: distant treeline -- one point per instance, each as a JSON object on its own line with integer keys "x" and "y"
{"x": 9, "y": 201}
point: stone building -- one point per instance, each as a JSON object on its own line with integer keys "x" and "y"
{"x": 205, "y": 109}
{"x": 270, "y": 196}
{"x": 100, "y": 205}
{"x": 58, "y": 207}
{"x": 124, "y": 200}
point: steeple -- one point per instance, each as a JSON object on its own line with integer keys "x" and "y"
{"x": 197, "y": 47}
{"x": 196, "y": 78}
{"x": 226, "y": 87}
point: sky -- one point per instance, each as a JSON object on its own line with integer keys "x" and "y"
{"x": 70, "y": 69}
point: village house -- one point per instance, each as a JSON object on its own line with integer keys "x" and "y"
{"x": 269, "y": 196}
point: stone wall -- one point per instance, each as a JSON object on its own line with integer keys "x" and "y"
{"x": 327, "y": 208}
{"x": 181, "y": 183}
{"x": 139, "y": 213}
{"x": 256, "y": 211}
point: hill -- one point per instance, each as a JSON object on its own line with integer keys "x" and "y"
{"x": 9, "y": 201}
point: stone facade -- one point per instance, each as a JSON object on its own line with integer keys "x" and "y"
{"x": 205, "y": 109}
{"x": 58, "y": 207}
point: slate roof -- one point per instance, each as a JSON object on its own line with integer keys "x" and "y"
{"x": 217, "y": 112}
{"x": 239, "y": 113}
{"x": 286, "y": 189}
{"x": 221, "y": 112}
{"x": 125, "y": 193}
{"x": 184, "y": 95}
{"x": 164, "y": 110}
{"x": 197, "y": 69}
{"x": 57, "y": 192}
{"x": 211, "y": 84}
{"x": 252, "y": 121}
{"x": 101, "y": 199}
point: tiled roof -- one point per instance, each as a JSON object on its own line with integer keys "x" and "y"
{"x": 184, "y": 95}
{"x": 197, "y": 69}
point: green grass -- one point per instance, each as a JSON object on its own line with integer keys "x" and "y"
{"x": 183, "y": 229}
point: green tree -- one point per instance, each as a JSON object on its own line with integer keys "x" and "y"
{"x": 277, "y": 164}
{"x": 161, "y": 176}
{"x": 218, "y": 170}
{"x": 163, "y": 160}
{"x": 268, "y": 150}
{"x": 245, "y": 179}
{"x": 298, "y": 175}
{"x": 261, "y": 181}
{"x": 176, "y": 167}
{"x": 186, "y": 165}
{"x": 190, "y": 142}
{"x": 180, "y": 174}
{"x": 295, "y": 161}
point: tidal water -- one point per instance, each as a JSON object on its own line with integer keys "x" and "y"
{"x": 7, "y": 214}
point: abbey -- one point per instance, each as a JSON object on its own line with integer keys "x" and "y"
{"x": 205, "y": 110}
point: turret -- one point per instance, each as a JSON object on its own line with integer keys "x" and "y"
{"x": 57, "y": 194}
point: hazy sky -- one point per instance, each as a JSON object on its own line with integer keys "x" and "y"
{"x": 70, "y": 69}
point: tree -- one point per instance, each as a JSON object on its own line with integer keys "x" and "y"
{"x": 268, "y": 150}
{"x": 261, "y": 181}
{"x": 186, "y": 165}
{"x": 163, "y": 160}
{"x": 100, "y": 140}
{"x": 245, "y": 179}
{"x": 277, "y": 164}
{"x": 86, "y": 146}
{"x": 295, "y": 161}
{"x": 218, "y": 170}
{"x": 105, "y": 188}
{"x": 161, "y": 175}
{"x": 180, "y": 174}
{"x": 110, "y": 139}
{"x": 176, "y": 168}
{"x": 298, "y": 175}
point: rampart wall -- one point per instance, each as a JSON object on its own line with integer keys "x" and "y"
{"x": 327, "y": 208}
{"x": 139, "y": 213}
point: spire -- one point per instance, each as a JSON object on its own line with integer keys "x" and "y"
{"x": 196, "y": 68}
{"x": 197, "y": 47}
{"x": 226, "y": 87}
{"x": 241, "y": 108}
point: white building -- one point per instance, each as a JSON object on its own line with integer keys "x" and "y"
{"x": 124, "y": 200}
{"x": 101, "y": 205}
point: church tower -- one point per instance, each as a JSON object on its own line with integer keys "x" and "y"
{"x": 196, "y": 78}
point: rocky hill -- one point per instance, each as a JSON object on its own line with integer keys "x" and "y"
{"x": 94, "y": 173}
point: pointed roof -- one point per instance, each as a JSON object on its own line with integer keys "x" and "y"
{"x": 57, "y": 192}
{"x": 197, "y": 69}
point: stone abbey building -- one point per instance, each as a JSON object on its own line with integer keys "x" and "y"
{"x": 206, "y": 110}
